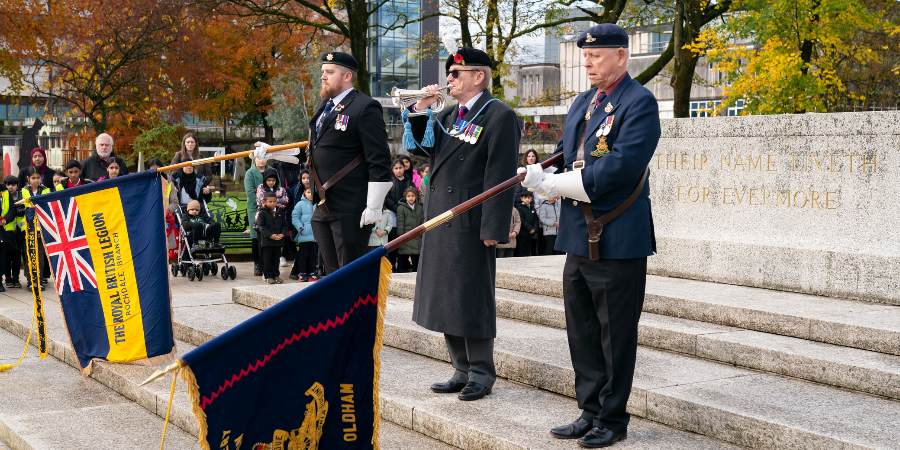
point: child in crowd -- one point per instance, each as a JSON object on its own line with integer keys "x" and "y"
{"x": 410, "y": 214}
{"x": 508, "y": 249}
{"x": 199, "y": 225}
{"x": 548, "y": 213}
{"x": 73, "y": 175}
{"x": 419, "y": 176}
{"x": 36, "y": 187}
{"x": 528, "y": 233}
{"x": 401, "y": 183}
{"x": 112, "y": 171}
{"x": 381, "y": 229}
{"x": 282, "y": 199}
{"x": 58, "y": 178}
{"x": 271, "y": 224}
{"x": 308, "y": 252}
{"x": 13, "y": 235}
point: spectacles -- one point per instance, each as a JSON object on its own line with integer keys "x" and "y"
{"x": 455, "y": 72}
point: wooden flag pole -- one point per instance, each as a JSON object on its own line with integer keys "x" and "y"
{"x": 464, "y": 206}
{"x": 226, "y": 157}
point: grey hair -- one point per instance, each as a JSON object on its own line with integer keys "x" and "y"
{"x": 104, "y": 135}
{"x": 488, "y": 78}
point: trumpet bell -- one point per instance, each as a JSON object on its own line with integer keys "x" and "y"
{"x": 404, "y": 98}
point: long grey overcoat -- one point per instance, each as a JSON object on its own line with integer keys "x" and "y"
{"x": 456, "y": 273}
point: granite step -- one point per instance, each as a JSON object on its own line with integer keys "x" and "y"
{"x": 49, "y": 405}
{"x": 846, "y": 367}
{"x": 407, "y": 401}
{"x": 147, "y": 403}
{"x": 737, "y": 405}
{"x": 848, "y": 323}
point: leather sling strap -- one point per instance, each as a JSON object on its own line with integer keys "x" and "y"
{"x": 595, "y": 226}
{"x": 322, "y": 188}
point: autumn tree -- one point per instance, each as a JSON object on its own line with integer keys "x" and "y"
{"x": 794, "y": 56}
{"x": 98, "y": 58}
{"x": 352, "y": 21}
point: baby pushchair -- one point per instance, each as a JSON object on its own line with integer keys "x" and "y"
{"x": 200, "y": 259}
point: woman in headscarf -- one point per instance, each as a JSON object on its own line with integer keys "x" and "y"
{"x": 39, "y": 164}
{"x": 188, "y": 185}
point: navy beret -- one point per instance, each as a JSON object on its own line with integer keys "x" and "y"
{"x": 468, "y": 57}
{"x": 604, "y": 35}
{"x": 342, "y": 59}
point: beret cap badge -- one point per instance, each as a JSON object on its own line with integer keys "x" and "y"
{"x": 589, "y": 38}
{"x": 329, "y": 57}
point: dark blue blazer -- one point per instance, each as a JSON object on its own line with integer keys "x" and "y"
{"x": 610, "y": 179}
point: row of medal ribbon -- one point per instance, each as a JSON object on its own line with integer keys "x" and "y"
{"x": 467, "y": 132}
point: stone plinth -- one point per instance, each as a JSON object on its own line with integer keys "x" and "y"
{"x": 805, "y": 202}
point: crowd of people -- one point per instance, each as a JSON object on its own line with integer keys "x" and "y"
{"x": 280, "y": 207}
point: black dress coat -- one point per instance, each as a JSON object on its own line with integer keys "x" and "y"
{"x": 456, "y": 275}
{"x": 333, "y": 149}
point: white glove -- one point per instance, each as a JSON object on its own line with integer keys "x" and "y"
{"x": 567, "y": 184}
{"x": 534, "y": 175}
{"x": 375, "y": 194}
{"x": 261, "y": 151}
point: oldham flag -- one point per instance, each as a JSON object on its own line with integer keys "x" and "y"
{"x": 107, "y": 251}
{"x": 302, "y": 374}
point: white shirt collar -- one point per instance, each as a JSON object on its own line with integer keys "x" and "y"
{"x": 471, "y": 103}
{"x": 338, "y": 98}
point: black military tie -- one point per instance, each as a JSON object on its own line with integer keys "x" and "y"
{"x": 328, "y": 107}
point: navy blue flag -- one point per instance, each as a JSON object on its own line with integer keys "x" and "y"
{"x": 301, "y": 374}
{"x": 107, "y": 251}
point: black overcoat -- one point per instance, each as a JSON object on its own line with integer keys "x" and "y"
{"x": 455, "y": 279}
{"x": 332, "y": 149}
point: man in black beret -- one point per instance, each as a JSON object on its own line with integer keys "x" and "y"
{"x": 349, "y": 163}
{"x": 606, "y": 231}
{"x": 455, "y": 279}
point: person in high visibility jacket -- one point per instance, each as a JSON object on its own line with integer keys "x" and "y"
{"x": 13, "y": 234}
{"x": 35, "y": 187}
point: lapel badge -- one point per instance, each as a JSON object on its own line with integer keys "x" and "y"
{"x": 339, "y": 107}
{"x": 588, "y": 38}
{"x": 601, "y": 149}
{"x": 329, "y": 57}
{"x": 609, "y": 108}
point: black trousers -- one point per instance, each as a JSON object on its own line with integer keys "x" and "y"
{"x": 306, "y": 259}
{"x": 12, "y": 241}
{"x": 254, "y": 252}
{"x": 209, "y": 232}
{"x": 407, "y": 263}
{"x": 473, "y": 359}
{"x": 506, "y": 252}
{"x": 269, "y": 256}
{"x": 340, "y": 239}
{"x": 603, "y": 301}
{"x": 549, "y": 243}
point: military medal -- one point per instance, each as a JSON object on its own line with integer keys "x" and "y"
{"x": 601, "y": 148}
{"x": 606, "y": 127}
{"x": 476, "y": 134}
{"x": 340, "y": 123}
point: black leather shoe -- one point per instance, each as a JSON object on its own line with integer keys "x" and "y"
{"x": 600, "y": 437}
{"x": 473, "y": 391}
{"x": 448, "y": 387}
{"x": 573, "y": 430}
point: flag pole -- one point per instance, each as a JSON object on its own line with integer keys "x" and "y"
{"x": 446, "y": 216}
{"x": 226, "y": 157}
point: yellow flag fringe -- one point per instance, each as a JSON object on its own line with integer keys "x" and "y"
{"x": 194, "y": 395}
{"x": 384, "y": 283}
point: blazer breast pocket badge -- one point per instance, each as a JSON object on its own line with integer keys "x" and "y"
{"x": 602, "y": 147}
{"x": 340, "y": 122}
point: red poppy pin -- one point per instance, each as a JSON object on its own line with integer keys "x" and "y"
{"x": 458, "y": 59}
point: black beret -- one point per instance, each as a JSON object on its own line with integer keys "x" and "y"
{"x": 604, "y": 35}
{"x": 342, "y": 59}
{"x": 468, "y": 57}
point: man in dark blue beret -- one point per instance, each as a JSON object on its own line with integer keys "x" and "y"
{"x": 606, "y": 231}
{"x": 349, "y": 162}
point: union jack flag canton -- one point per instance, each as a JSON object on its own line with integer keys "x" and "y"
{"x": 66, "y": 245}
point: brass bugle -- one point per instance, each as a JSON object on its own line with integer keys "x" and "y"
{"x": 404, "y": 98}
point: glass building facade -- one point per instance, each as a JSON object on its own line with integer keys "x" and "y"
{"x": 396, "y": 56}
